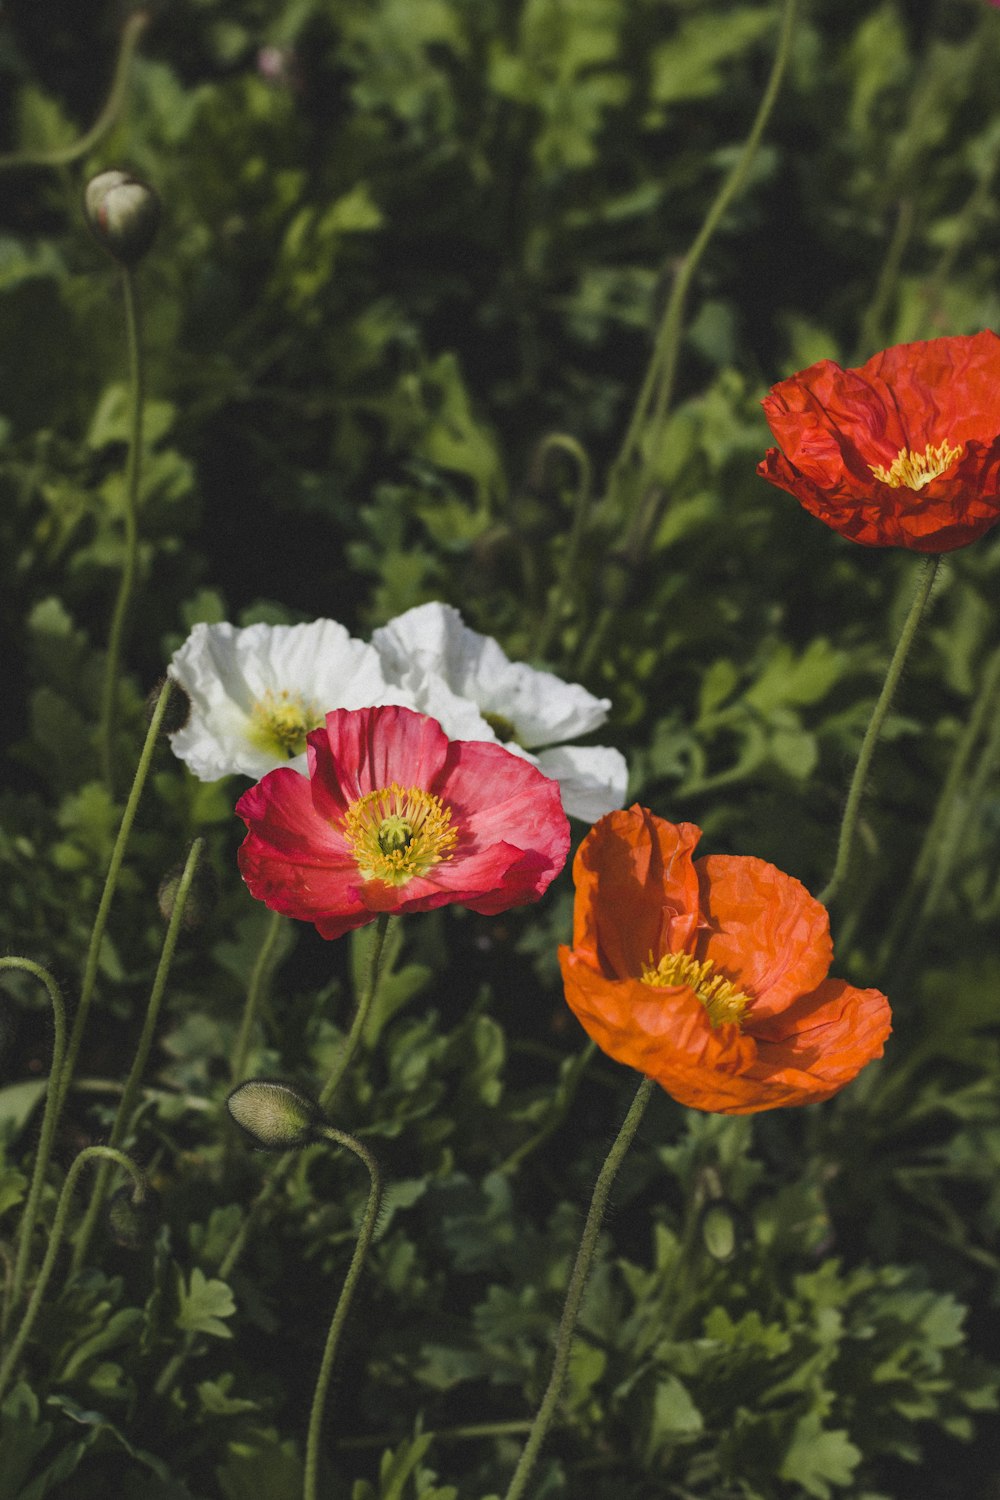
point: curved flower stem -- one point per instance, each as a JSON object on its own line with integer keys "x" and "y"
{"x": 936, "y": 835}
{"x": 658, "y": 387}
{"x": 282, "y": 1168}
{"x": 131, "y": 503}
{"x": 256, "y": 989}
{"x": 27, "y": 1226}
{"x": 343, "y": 1302}
{"x": 656, "y": 394}
{"x": 110, "y": 885}
{"x": 581, "y": 510}
{"x": 126, "y": 1105}
{"x": 852, "y": 809}
{"x": 63, "y": 155}
{"x": 574, "y": 1294}
{"x": 55, "y": 1240}
{"x": 360, "y": 1015}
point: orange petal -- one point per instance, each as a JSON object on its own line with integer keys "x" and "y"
{"x": 829, "y": 1035}
{"x": 636, "y": 891}
{"x": 765, "y": 932}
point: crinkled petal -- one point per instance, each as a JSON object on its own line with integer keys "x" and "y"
{"x": 542, "y": 708}
{"x": 762, "y": 930}
{"x": 636, "y": 891}
{"x": 593, "y": 779}
{"x": 835, "y": 426}
{"x": 226, "y": 671}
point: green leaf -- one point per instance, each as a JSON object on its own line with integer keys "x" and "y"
{"x": 203, "y": 1305}
{"x": 819, "y": 1460}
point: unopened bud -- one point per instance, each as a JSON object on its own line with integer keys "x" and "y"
{"x": 200, "y": 899}
{"x": 123, "y": 213}
{"x": 274, "y": 1115}
{"x": 178, "y": 709}
{"x": 723, "y": 1229}
{"x": 133, "y": 1216}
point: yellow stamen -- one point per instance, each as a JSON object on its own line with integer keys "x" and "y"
{"x": 724, "y": 1003}
{"x": 914, "y": 470}
{"x": 398, "y": 832}
{"x": 279, "y": 722}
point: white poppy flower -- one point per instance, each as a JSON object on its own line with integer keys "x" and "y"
{"x": 466, "y": 682}
{"x": 257, "y": 692}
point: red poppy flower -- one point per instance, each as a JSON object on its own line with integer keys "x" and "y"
{"x": 904, "y": 452}
{"x": 396, "y": 817}
{"x": 710, "y": 975}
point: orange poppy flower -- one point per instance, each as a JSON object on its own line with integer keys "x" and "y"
{"x": 710, "y": 975}
{"x": 903, "y": 452}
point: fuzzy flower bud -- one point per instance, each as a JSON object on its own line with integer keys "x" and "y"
{"x": 178, "y": 709}
{"x": 123, "y": 213}
{"x": 201, "y": 894}
{"x": 274, "y": 1115}
{"x": 133, "y": 1216}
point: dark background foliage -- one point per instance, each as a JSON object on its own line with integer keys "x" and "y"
{"x": 405, "y": 241}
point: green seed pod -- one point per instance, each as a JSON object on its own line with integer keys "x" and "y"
{"x": 132, "y": 1218}
{"x": 723, "y": 1229}
{"x": 123, "y": 213}
{"x": 274, "y": 1115}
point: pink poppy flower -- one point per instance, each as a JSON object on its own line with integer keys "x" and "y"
{"x": 396, "y": 817}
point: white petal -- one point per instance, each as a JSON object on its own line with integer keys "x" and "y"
{"x": 226, "y": 672}
{"x": 541, "y": 707}
{"x": 593, "y": 779}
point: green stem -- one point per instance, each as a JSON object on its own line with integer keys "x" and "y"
{"x": 27, "y": 1226}
{"x": 126, "y": 1105}
{"x": 130, "y": 558}
{"x": 361, "y": 1014}
{"x": 110, "y": 885}
{"x": 871, "y": 328}
{"x": 55, "y": 1240}
{"x": 63, "y": 155}
{"x": 577, "y": 1283}
{"x": 256, "y": 989}
{"x": 581, "y": 510}
{"x": 282, "y": 1168}
{"x": 852, "y": 809}
{"x": 944, "y": 812}
{"x": 658, "y": 387}
{"x": 343, "y": 1303}
{"x": 561, "y": 1104}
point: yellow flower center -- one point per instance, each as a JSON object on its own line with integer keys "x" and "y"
{"x": 398, "y": 832}
{"x": 279, "y": 722}
{"x": 724, "y": 1003}
{"x": 914, "y": 470}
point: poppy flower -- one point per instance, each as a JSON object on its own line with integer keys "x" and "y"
{"x": 466, "y": 682}
{"x": 710, "y": 975}
{"x": 394, "y": 816}
{"x": 257, "y": 692}
{"x": 903, "y": 452}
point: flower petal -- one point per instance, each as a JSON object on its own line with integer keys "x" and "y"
{"x": 763, "y": 931}
{"x": 636, "y": 891}
{"x": 593, "y": 779}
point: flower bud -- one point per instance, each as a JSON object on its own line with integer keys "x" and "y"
{"x": 723, "y": 1229}
{"x": 123, "y": 213}
{"x": 274, "y": 1115}
{"x": 133, "y": 1216}
{"x": 200, "y": 896}
{"x": 178, "y": 709}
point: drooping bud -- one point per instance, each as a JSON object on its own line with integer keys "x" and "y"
{"x": 178, "y": 709}
{"x": 274, "y": 1115}
{"x": 201, "y": 894}
{"x": 133, "y": 1216}
{"x": 123, "y": 213}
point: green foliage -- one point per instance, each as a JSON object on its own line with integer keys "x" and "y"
{"x": 404, "y": 243}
